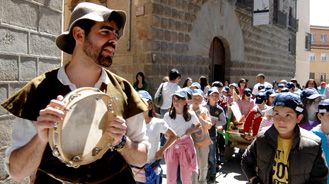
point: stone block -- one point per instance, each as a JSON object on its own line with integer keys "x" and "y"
{"x": 167, "y": 11}
{"x": 164, "y": 23}
{"x": 167, "y": 35}
{"x": 156, "y": 21}
{"x": 55, "y": 4}
{"x": 159, "y": 34}
{"x": 6, "y": 129}
{"x": 178, "y": 26}
{"x": 175, "y": 14}
{"x": 156, "y": 46}
{"x": 20, "y": 13}
{"x": 181, "y": 37}
{"x": 15, "y": 86}
{"x": 157, "y": 9}
{"x": 8, "y": 68}
{"x": 28, "y": 68}
{"x": 13, "y": 41}
{"x": 3, "y": 96}
{"x": 164, "y": 46}
{"x": 50, "y": 21}
{"x": 45, "y": 65}
{"x": 43, "y": 46}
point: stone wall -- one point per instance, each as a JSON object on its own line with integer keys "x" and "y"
{"x": 180, "y": 36}
{"x": 266, "y": 51}
{"x": 28, "y": 29}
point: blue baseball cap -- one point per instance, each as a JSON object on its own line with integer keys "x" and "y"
{"x": 281, "y": 85}
{"x": 290, "y": 85}
{"x": 226, "y": 89}
{"x": 214, "y": 90}
{"x": 247, "y": 92}
{"x": 309, "y": 93}
{"x": 260, "y": 98}
{"x": 145, "y": 95}
{"x": 290, "y": 100}
{"x": 188, "y": 92}
{"x": 180, "y": 93}
{"x": 323, "y": 106}
{"x": 196, "y": 84}
{"x": 197, "y": 92}
{"x": 284, "y": 89}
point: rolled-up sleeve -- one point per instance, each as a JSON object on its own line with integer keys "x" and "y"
{"x": 136, "y": 130}
{"x": 23, "y": 131}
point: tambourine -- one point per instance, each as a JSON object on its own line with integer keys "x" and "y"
{"x": 78, "y": 139}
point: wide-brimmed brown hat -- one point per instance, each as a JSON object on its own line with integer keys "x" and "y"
{"x": 90, "y": 11}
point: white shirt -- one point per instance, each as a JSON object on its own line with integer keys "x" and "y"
{"x": 24, "y": 130}
{"x": 168, "y": 90}
{"x": 255, "y": 89}
{"x": 153, "y": 130}
{"x": 179, "y": 125}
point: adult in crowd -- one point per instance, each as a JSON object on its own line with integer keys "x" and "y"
{"x": 322, "y": 88}
{"x": 242, "y": 85}
{"x": 204, "y": 84}
{"x": 188, "y": 82}
{"x": 141, "y": 83}
{"x": 168, "y": 89}
{"x": 297, "y": 85}
{"x": 91, "y": 40}
{"x": 260, "y": 80}
{"x": 311, "y": 83}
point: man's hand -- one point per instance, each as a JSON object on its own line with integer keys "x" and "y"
{"x": 116, "y": 129}
{"x": 48, "y": 117}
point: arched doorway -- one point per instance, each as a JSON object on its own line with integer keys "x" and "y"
{"x": 217, "y": 60}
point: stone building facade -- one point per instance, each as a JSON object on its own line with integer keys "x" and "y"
{"x": 28, "y": 29}
{"x": 214, "y": 38}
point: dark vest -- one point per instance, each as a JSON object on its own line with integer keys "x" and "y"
{"x": 111, "y": 168}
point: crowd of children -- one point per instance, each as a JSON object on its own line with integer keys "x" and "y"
{"x": 279, "y": 118}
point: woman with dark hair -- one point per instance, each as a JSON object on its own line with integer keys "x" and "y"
{"x": 188, "y": 82}
{"x": 182, "y": 152}
{"x": 204, "y": 84}
{"x": 140, "y": 83}
{"x": 310, "y": 83}
{"x": 242, "y": 85}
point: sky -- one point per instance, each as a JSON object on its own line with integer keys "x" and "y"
{"x": 319, "y": 12}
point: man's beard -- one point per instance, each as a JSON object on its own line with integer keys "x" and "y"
{"x": 96, "y": 54}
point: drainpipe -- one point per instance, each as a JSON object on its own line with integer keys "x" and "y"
{"x": 129, "y": 25}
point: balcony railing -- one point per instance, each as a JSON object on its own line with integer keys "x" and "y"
{"x": 280, "y": 18}
{"x": 293, "y": 24}
{"x": 320, "y": 44}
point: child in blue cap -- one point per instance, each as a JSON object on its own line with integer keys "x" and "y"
{"x": 285, "y": 153}
{"x": 322, "y": 130}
